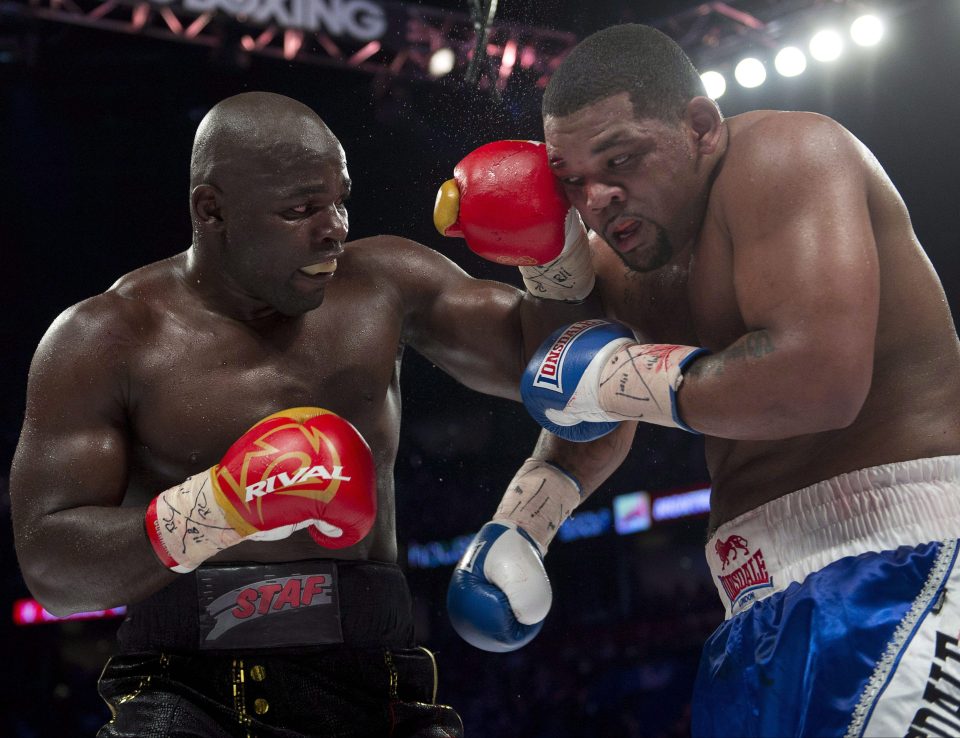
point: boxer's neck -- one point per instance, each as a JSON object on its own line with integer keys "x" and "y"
{"x": 206, "y": 280}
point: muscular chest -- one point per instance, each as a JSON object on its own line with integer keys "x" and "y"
{"x": 200, "y": 386}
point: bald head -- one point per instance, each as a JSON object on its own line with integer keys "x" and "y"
{"x": 267, "y": 199}
{"x": 253, "y": 133}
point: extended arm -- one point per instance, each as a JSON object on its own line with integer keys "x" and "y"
{"x": 480, "y": 332}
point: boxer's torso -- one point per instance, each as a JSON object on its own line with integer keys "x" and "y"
{"x": 913, "y": 406}
{"x": 197, "y": 380}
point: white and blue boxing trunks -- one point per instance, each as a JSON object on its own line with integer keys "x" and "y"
{"x": 843, "y": 610}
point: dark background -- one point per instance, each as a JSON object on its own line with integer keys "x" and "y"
{"x": 96, "y": 134}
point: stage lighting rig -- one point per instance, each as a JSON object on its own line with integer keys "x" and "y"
{"x": 388, "y": 39}
{"x": 744, "y": 39}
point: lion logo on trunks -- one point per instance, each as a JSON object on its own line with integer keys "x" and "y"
{"x": 727, "y": 548}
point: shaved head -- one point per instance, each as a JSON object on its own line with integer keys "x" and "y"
{"x": 250, "y": 133}
{"x": 268, "y": 185}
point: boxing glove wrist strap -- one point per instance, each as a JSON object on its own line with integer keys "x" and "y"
{"x": 538, "y": 499}
{"x": 640, "y": 382}
{"x": 570, "y": 276}
{"x": 186, "y": 526}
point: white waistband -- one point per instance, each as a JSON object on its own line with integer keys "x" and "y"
{"x": 876, "y": 509}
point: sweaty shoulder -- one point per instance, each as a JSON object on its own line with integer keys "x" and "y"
{"x": 413, "y": 271}
{"x": 766, "y": 133}
{"x": 772, "y": 152}
{"x": 120, "y": 317}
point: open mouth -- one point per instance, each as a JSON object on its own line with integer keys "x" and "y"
{"x": 323, "y": 267}
{"x": 623, "y": 235}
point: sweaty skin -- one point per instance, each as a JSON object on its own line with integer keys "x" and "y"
{"x": 137, "y": 388}
{"x": 775, "y": 240}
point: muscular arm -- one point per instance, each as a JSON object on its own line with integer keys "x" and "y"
{"x": 480, "y": 332}
{"x": 77, "y": 547}
{"x": 807, "y": 286}
{"x": 589, "y": 463}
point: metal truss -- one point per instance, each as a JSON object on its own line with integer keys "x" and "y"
{"x": 711, "y": 32}
{"x": 411, "y": 33}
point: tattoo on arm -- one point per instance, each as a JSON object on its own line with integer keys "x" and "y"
{"x": 752, "y": 346}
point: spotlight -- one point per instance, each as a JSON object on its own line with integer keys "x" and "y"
{"x": 714, "y": 83}
{"x": 826, "y": 46}
{"x": 441, "y": 62}
{"x": 750, "y": 72}
{"x": 790, "y": 61}
{"x": 867, "y": 30}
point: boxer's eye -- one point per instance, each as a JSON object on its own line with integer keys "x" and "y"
{"x": 298, "y": 211}
{"x": 572, "y": 181}
{"x": 619, "y": 161}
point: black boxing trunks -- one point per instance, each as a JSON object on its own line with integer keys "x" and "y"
{"x": 314, "y": 648}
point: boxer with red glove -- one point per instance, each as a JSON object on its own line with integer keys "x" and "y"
{"x": 299, "y": 468}
{"x": 504, "y": 200}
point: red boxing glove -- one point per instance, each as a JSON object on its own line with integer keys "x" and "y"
{"x": 302, "y": 467}
{"x": 504, "y": 200}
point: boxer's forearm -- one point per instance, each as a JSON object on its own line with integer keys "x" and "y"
{"x": 540, "y": 317}
{"x": 589, "y": 463}
{"x": 768, "y": 387}
{"x": 90, "y": 558}
{"x": 500, "y": 595}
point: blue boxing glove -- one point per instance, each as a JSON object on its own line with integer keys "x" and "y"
{"x": 591, "y": 375}
{"x": 499, "y": 594}
{"x": 565, "y": 372}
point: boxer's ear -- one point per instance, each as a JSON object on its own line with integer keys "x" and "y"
{"x": 205, "y": 205}
{"x": 705, "y": 122}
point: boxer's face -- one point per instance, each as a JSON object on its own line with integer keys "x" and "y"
{"x": 286, "y": 224}
{"x": 632, "y": 180}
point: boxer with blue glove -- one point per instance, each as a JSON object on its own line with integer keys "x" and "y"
{"x": 500, "y": 594}
{"x": 593, "y": 374}
{"x": 585, "y": 379}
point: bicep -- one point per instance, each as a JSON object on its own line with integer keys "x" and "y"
{"x": 805, "y": 260}
{"x": 73, "y": 449}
